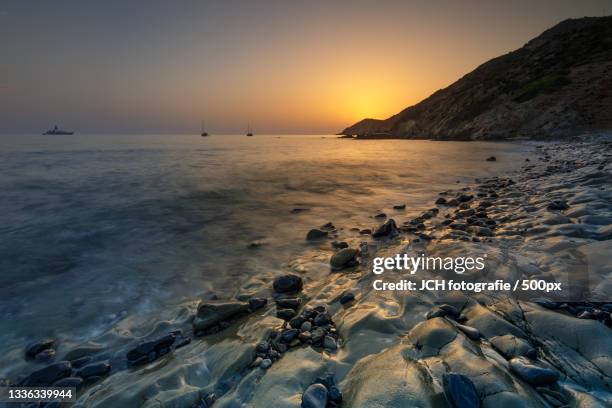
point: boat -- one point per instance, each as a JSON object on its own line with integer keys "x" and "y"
{"x": 203, "y": 132}
{"x": 249, "y": 133}
{"x": 57, "y": 131}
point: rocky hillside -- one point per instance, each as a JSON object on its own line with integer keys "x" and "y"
{"x": 558, "y": 84}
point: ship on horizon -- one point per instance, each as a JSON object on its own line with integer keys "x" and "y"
{"x": 57, "y": 131}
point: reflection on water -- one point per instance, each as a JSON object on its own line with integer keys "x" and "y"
{"x": 101, "y": 229}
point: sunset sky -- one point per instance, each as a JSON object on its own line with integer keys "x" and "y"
{"x": 285, "y": 66}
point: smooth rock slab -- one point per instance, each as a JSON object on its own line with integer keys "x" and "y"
{"x": 315, "y": 396}
{"x": 460, "y": 391}
{"x": 532, "y": 372}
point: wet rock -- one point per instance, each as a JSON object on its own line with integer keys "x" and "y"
{"x": 317, "y": 334}
{"x": 148, "y": 351}
{"x": 48, "y": 375}
{"x": 212, "y": 313}
{"x": 315, "y": 396}
{"x": 329, "y": 343}
{"x": 532, "y": 372}
{"x": 365, "y": 231}
{"x": 80, "y": 362}
{"x": 316, "y": 234}
{"x": 344, "y": 258}
{"x": 557, "y": 205}
{"x": 257, "y": 303}
{"x": 339, "y": 245}
{"x": 287, "y": 283}
{"x": 470, "y": 332}
{"x": 100, "y": 369}
{"x": 464, "y": 198}
{"x": 399, "y": 207}
{"x": 346, "y": 298}
{"x": 491, "y": 158}
{"x": 297, "y": 322}
{"x": 441, "y": 201}
{"x": 334, "y": 394}
{"x": 389, "y": 228}
{"x": 288, "y": 303}
{"x": 45, "y": 355}
{"x": 35, "y": 348}
{"x": 321, "y": 319}
{"x": 511, "y": 346}
{"x": 380, "y": 215}
{"x": 306, "y": 326}
{"x": 266, "y": 363}
{"x": 262, "y": 347}
{"x": 452, "y": 202}
{"x": 460, "y": 391}
{"x": 298, "y": 210}
{"x": 305, "y": 336}
{"x": 285, "y": 314}
{"x": 328, "y": 226}
{"x": 256, "y": 362}
{"x": 289, "y": 335}
{"x": 69, "y": 382}
{"x": 443, "y": 310}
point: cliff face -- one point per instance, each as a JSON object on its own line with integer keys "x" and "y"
{"x": 556, "y": 85}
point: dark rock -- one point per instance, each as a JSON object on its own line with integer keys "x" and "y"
{"x": 287, "y": 283}
{"x": 321, "y": 319}
{"x": 69, "y": 382}
{"x": 381, "y": 215}
{"x": 297, "y": 322}
{"x": 285, "y": 314}
{"x": 290, "y": 303}
{"x": 329, "y": 343}
{"x": 339, "y": 245}
{"x": 443, "y": 310}
{"x": 511, "y": 346}
{"x": 548, "y": 304}
{"x": 389, "y": 228}
{"x": 35, "y": 348}
{"x": 464, "y": 198}
{"x": 257, "y": 303}
{"x": 344, "y": 258}
{"x": 334, "y": 394}
{"x": 100, "y": 369}
{"x": 532, "y": 372}
{"x": 212, "y": 313}
{"x": 298, "y": 210}
{"x": 47, "y": 375}
{"x": 315, "y": 396}
{"x": 557, "y": 205}
{"x": 328, "y": 226}
{"x": 305, "y": 336}
{"x": 45, "y": 355}
{"x": 460, "y": 391}
{"x": 452, "y": 202}
{"x": 306, "y": 326}
{"x": 80, "y": 362}
{"x": 491, "y": 158}
{"x": 365, "y": 231}
{"x": 315, "y": 234}
{"x": 347, "y": 297}
{"x": 317, "y": 334}
{"x": 441, "y": 201}
{"x": 399, "y": 207}
{"x": 289, "y": 335}
{"x": 148, "y": 351}
{"x": 262, "y": 347}
{"x": 266, "y": 363}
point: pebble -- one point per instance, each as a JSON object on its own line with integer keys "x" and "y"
{"x": 557, "y": 205}
{"x": 45, "y": 355}
{"x": 344, "y": 258}
{"x": 334, "y": 394}
{"x": 317, "y": 334}
{"x": 47, "y": 375}
{"x": 491, "y": 158}
{"x": 316, "y": 234}
{"x": 35, "y": 348}
{"x": 441, "y": 201}
{"x": 329, "y": 343}
{"x": 321, "y": 319}
{"x": 460, "y": 391}
{"x": 262, "y": 347}
{"x": 305, "y": 336}
{"x": 288, "y": 303}
{"x": 297, "y": 322}
{"x": 285, "y": 314}
{"x": 289, "y": 335}
{"x": 399, "y": 207}
{"x": 339, "y": 245}
{"x": 287, "y": 283}
{"x": 257, "y": 362}
{"x": 265, "y": 363}
{"x": 257, "y": 303}
{"x": 315, "y": 396}
{"x": 347, "y": 297}
{"x": 306, "y": 326}
{"x": 389, "y": 228}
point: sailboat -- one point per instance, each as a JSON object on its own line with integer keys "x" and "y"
{"x": 204, "y": 133}
{"x": 249, "y": 133}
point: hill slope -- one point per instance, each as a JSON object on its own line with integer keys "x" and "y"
{"x": 557, "y": 84}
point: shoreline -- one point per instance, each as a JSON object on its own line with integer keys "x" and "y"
{"x": 427, "y": 336}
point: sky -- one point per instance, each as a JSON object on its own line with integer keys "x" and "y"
{"x": 283, "y": 66}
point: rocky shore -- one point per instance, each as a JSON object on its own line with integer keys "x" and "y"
{"x": 320, "y": 336}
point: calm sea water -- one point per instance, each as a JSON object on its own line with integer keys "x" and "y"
{"x": 102, "y": 232}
